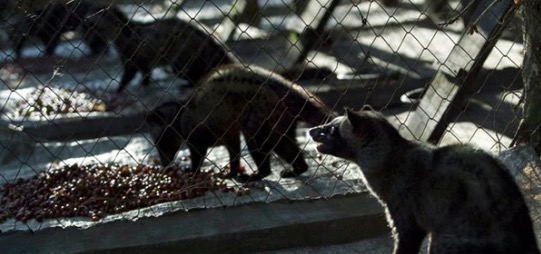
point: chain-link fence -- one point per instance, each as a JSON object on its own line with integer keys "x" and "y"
{"x": 98, "y": 96}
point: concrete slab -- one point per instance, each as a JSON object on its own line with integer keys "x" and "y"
{"x": 241, "y": 229}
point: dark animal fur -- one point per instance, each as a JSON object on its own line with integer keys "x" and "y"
{"x": 462, "y": 198}
{"x": 232, "y": 100}
{"x": 186, "y": 47}
{"x": 51, "y": 22}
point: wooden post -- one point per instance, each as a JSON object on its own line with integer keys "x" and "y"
{"x": 451, "y": 87}
{"x": 313, "y": 18}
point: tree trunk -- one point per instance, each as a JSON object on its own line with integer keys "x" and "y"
{"x": 529, "y": 131}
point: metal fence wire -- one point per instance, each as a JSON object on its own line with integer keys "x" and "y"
{"x": 114, "y": 110}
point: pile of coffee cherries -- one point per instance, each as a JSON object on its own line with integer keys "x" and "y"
{"x": 98, "y": 190}
{"x": 48, "y": 101}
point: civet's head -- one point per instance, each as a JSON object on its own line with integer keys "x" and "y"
{"x": 345, "y": 135}
{"x": 163, "y": 124}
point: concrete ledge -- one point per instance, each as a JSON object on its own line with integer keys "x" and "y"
{"x": 247, "y": 228}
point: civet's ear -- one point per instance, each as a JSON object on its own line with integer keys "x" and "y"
{"x": 359, "y": 120}
{"x": 367, "y": 107}
{"x": 353, "y": 117}
{"x": 348, "y": 112}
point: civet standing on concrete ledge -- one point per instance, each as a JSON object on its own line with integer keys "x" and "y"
{"x": 235, "y": 99}
{"x": 190, "y": 50}
{"x": 52, "y": 21}
{"x": 461, "y": 197}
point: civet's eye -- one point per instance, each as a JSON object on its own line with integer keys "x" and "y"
{"x": 333, "y": 129}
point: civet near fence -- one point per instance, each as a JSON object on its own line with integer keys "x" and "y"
{"x": 92, "y": 91}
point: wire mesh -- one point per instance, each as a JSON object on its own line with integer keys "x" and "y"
{"x": 98, "y": 97}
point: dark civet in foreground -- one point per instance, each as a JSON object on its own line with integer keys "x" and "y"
{"x": 462, "y": 198}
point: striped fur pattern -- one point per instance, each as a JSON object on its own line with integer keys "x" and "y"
{"x": 234, "y": 99}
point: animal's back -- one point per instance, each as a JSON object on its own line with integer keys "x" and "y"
{"x": 179, "y": 41}
{"x": 221, "y": 102}
{"x": 474, "y": 204}
{"x": 51, "y": 21}
{"x": 300, "y": 102}
{"x": 235, "y": 99}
